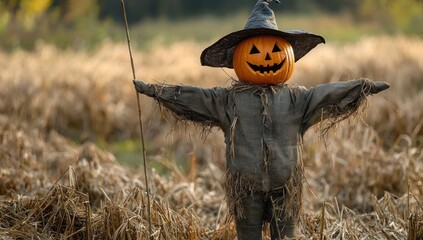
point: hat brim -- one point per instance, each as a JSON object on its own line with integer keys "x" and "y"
{"x": 220, "y": 53}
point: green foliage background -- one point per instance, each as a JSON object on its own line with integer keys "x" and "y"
{"x": 84, "y": 23}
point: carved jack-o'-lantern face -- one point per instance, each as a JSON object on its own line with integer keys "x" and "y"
{"x": 263, "y": 59}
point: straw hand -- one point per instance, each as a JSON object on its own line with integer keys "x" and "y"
{"x": 378, "y": 87}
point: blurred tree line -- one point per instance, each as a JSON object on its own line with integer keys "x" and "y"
{"x": 72, "y": 10}
{"x": 22, "y": 17}
{"x": 174, "y": 9}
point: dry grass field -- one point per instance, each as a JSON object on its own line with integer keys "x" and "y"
{"x": 63, "y": 112}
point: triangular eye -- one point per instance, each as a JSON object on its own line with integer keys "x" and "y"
{"x": 254, "y": 50}
{"x": 276, "y": 48}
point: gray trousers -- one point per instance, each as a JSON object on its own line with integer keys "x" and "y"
{"x": 261, "y": 207}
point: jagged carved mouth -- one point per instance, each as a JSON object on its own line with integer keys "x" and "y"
{"x": 263, "y": 69}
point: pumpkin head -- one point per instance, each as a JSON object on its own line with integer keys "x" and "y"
{"x": 263, "y": 59}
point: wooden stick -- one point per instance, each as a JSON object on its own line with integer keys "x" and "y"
{"x": 322, "y": 221}
{"x": 140, "y": 121}
{"x": 128, "y": 38}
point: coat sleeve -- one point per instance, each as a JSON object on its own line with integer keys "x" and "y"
{"x": 206, "y": 106}
{"x": 334, "y": 100}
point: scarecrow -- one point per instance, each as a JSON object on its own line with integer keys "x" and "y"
{"x": 263, "y": 119}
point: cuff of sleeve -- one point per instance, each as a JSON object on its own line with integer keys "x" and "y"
{"x": 378, "y": 87}
{"x": 144, "y": 88}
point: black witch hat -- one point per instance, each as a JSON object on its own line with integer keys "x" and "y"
{"x": 261, "y": 22}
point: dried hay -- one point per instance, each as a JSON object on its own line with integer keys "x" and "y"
{"x": 96, "y": 198}
{"x": 387, "y": 221}
{"x": 358, "y": 167}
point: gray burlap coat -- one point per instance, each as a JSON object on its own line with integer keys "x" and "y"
{"x": 263, "y": 125}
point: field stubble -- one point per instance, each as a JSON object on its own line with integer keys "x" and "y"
{"x": 364, "y": 178}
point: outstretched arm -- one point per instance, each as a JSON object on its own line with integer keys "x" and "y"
{"x": 191, "y": 103}
{"x": 337, "y": 99}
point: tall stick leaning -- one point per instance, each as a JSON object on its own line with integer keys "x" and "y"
{"x": 140, "y": 121}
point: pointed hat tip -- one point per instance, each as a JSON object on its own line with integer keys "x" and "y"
{"x": 269, "y": 1}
